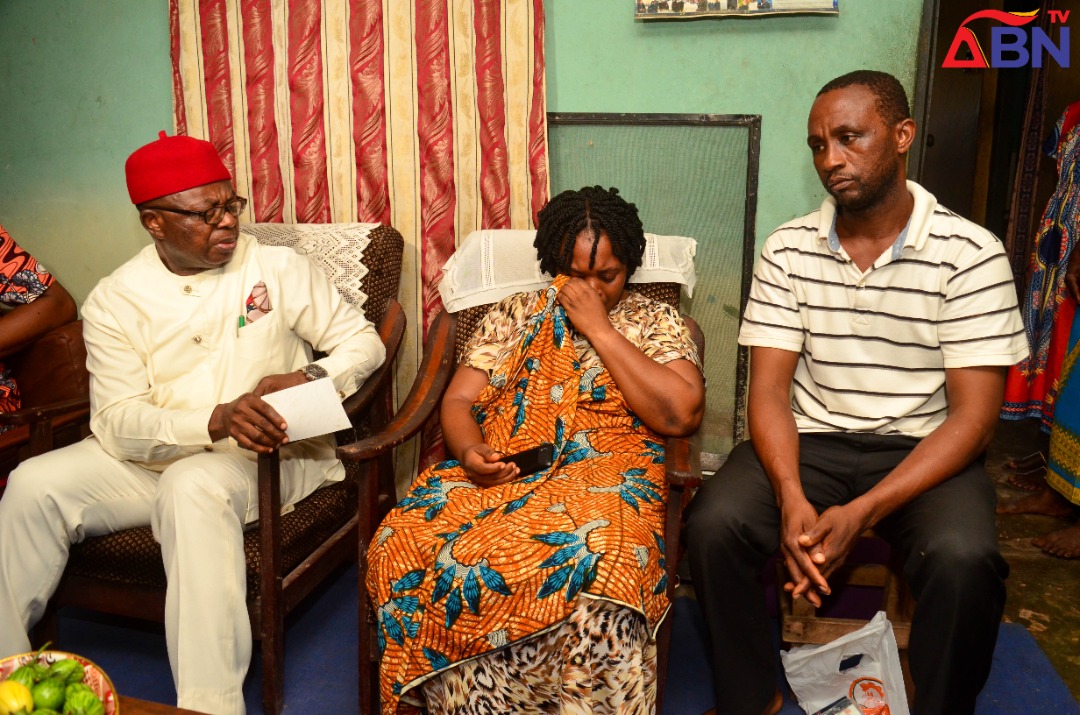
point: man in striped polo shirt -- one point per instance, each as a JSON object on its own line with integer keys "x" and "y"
{"x": 880, "y": 327}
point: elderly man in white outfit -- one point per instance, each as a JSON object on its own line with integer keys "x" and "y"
{"x": 182, "y": 341}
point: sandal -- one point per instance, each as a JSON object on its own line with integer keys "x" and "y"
{"x": 1028, "y": 481}
{"x": 1027, "y": 463}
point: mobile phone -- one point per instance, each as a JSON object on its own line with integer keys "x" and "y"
{"x": 533, "y": 460}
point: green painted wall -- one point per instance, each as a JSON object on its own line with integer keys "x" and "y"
{"x": 82, "y": 84}
{"x": 600, "y": 59}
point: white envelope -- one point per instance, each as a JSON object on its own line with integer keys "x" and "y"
{"x": 311, "y": 409}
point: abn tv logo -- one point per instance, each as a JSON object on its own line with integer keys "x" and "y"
{"x": 1012, "y": 44}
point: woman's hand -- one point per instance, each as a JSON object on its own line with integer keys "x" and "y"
{"x": 584, "y": 307}
{"x": 484, "y": 466}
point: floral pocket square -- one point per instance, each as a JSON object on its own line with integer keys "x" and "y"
{"x": 257, "y": 304}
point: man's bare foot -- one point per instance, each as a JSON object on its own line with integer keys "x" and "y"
{"x": 1026, "y": 463}
{"x": 1045, "y": 501}
{"x": 1028, "y": 481}
{"x": 1063, "y": 543}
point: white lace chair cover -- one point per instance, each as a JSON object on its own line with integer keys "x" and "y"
{"x": 337, "y": 248}
{"x": 494, "y": 263}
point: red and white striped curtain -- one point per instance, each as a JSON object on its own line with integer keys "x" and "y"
{"x": 424, "y": 115}
{"x": 427, "y": 115}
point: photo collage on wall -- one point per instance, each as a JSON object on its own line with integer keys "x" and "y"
{"x": 656, "y": 9}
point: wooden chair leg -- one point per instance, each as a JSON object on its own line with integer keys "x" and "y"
{"x": 672, "y": 553}
{"x": 663, "y": 652}
{"x": 905, "y": 669}
{"x": 368, "y": 662}
{"x": 273, "y": 666}
{"x": 368, "y": 656}
{"x": 272, "y": 604}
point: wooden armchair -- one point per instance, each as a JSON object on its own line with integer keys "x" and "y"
{"x": 442, "y": 352}
{"x": 55, "y": 388}
{"x": 287, "y": 555}
{"x": 801, "y": 623}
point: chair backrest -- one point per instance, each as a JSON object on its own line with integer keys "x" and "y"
{"x": 363, "y": 260}
{"x": 494, "y": 263}
{"x": 53, "y": 369}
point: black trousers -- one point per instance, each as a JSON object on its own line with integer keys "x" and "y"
{"x": 947, "y": 537}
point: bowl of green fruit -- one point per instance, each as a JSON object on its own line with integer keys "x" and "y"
{"x": 52, "y": 682}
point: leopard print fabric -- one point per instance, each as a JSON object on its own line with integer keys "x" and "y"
{"x": 599, "y": 661}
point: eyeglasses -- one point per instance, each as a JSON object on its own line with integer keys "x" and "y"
{"x": 212, "y": 215}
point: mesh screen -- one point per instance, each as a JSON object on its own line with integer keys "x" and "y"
{"x": 687, "y": 180}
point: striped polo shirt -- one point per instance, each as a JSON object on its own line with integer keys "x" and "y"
{"x": 875, "y": 344}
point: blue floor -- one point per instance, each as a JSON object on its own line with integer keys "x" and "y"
{"x": 1022, "y": 681}
{"x": 321, "y": 661}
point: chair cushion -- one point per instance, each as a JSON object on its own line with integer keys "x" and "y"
{"x": 133, "y": 557}
{"x": 492, "y": 264}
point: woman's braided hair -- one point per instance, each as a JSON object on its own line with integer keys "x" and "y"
{"x": 594, "y": 209}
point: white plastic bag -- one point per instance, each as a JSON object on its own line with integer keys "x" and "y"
{"x": 875, "y": 683}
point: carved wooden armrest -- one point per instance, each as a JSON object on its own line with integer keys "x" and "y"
{"x": 44, "y": 420}
{"x": 682, "y": 468}
{"x": 427, "y": 389}
{"x": 682, "y": 461}
{"x": 391, "y": 331}
{"x": 79, "y": 407}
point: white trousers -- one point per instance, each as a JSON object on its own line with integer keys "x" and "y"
{"x": 197, "y": 509}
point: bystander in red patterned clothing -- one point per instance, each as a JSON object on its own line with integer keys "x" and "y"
{"x": 22, "y": 281}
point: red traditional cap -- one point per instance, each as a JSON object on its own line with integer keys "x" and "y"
{"x": 172, "y": 164}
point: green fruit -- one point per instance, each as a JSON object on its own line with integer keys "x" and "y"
{"x": 83, "y": 702}
{"x": 39, "y": 670}
{"x": 45, "y": 711}
{"x": 67, "y": 670}
{"x": 49, "y": 694}
{"x": 24, "y": 675}
{"x": 76, "y": 688}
